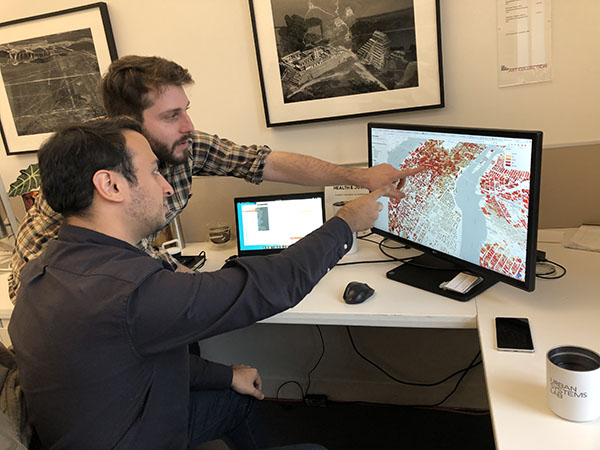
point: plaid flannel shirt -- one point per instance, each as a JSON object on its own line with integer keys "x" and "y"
{"x": 210, "y": 155}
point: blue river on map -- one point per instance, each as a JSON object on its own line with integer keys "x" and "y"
{"x": 473, "y": 232}
{"x": 474, "y": 225}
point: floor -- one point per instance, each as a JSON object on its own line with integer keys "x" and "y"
{"x": 349, "y": 426}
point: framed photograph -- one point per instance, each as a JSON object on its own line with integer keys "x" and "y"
{"x": 323, "y": 60}
{"x": 50, "y": 69}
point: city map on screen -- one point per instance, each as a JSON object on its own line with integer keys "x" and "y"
{"x": 470, "y": 202}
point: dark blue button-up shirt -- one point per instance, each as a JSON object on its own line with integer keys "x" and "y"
{"x": 101, "y": 331}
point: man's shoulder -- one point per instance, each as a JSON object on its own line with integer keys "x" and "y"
{"x": 203, "y": 141}
{"x": 198, "y": 135}
{"x": 39, "y": 221}
{"x": 86, "y": 259}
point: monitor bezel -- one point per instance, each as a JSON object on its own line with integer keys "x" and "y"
{"x": 528, "y": 284}
{"x": 267, "y": 198}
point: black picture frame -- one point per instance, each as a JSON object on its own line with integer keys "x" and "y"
{"x": 382, "y": 64}
{"x": 50, "y": 68}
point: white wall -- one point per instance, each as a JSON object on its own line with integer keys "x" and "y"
{"x": 213, "y": 39}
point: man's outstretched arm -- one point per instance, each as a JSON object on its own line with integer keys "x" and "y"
{"x": 309, "y": 171}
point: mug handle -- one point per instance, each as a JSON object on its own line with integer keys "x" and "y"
{"x": 172, "y": 247}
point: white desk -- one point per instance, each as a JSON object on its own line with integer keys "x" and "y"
{"x": 393, "y": 305}
{"x": 562, "y": 312}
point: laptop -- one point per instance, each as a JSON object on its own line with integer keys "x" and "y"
{"x": 268, "y": 224}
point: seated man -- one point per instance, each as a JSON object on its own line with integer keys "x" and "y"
{"x": 152, "y": 90}
{"x": 101, "y": 330}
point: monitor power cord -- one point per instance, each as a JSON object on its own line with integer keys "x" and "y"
{"x": 476, "y": 361}
{"x": 549, "y": 270}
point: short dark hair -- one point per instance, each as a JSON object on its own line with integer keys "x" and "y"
{"x": 126, "y": 84}
{"x": 69, "y": 159}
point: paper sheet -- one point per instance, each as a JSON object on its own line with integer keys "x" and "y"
{"x": 587, "y": 237}
{"x": 524, "y": 46}
{"x": 551, "y": 236}
{"x": 462, "y": 283}
{"x": 336, "y": 196}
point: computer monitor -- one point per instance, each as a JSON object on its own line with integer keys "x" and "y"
{"x": 268, "y": 224}
{"x": 474, "y": 208}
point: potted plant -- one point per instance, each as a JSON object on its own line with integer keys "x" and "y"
{"x": 26, "y": 185}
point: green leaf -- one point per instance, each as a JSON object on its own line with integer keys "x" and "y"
{"x": 27, "y": 181}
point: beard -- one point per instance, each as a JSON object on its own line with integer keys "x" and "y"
{"x": 149, "y": 217}
{"x": 166, "y": 154}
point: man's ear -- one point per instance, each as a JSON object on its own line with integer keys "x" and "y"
{"x": 109, "y": 185}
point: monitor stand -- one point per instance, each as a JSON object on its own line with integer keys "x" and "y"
{"x": 428, "y": 272}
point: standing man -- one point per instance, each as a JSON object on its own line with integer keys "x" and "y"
{"x": 100, "y": 329}
{"x": 151, "y": 90}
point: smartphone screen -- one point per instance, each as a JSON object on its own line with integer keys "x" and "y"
{"x": 513, "y": 334}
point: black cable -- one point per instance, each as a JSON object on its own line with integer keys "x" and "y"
{"x": 466, "y": 370}
{"x": 363, "y": 236}
{"x": 462, "y": 372}
{"x": 408, "y": 260}
{"x": 551, "y": 276}
{"x": 543, "y": 268}
{"x": 408, "y": 383}
{"x": 319, "y": 360}
{"x": 369, "y": 240}
{"x": 305, "y": 393}
{"x": 472, "y": 365}
{"x": 394, "y": 258}
{"x": 381, "y": 242}
{"x": 288, "y": 382}
{"x": 395, "y": 247}
{"x": 365, "y": 262}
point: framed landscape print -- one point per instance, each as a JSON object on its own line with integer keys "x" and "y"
{"x": 326, "y": 59}
{"x": 50, "y": 69}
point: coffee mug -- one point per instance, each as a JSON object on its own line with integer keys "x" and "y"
{"x": 573, "y": 383}
{"x": 354, "y": 248}
{"x": 172, "y": 247}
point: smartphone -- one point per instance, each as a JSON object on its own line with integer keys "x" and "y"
{"x": 513, "y": 334}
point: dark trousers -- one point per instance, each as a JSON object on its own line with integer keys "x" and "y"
{"x": 224, "y": 414}
{"x": 227, "y": 415}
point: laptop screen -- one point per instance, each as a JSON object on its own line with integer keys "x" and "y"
{"x": 270, "y": 223}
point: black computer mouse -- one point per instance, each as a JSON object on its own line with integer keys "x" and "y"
{"x": 357, "y": 292}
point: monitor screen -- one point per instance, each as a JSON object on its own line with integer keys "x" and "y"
{"x": 269, "y": 224}
{"x": 475, "y": 204}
